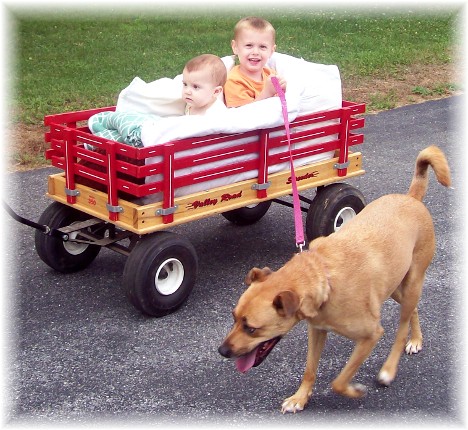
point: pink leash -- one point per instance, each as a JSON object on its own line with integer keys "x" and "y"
{"x": 300, "y": 242}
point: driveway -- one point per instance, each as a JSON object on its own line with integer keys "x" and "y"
{"x": 79, "y": 353}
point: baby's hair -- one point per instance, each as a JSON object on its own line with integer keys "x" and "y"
{"x": 213, "y": 63}
{"x": 253, "y": 22}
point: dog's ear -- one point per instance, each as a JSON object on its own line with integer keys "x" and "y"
{"x": 286, "y": 303}
{"x": 257, "y": 275}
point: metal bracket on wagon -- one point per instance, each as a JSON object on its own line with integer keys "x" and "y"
{"x": 167, "y": 211}
{"x": 264, "y": 186}
{"x": 341, "y": 165}
{"x": 114, "y": 209}
{"x": 72, "y": 193}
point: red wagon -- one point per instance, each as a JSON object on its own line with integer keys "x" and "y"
{"x": 126, "y": 198}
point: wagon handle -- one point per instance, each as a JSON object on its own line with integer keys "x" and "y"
{"x": 44, "y": 228}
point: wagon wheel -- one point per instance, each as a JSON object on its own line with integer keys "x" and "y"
{"x": 248, "y": 214}
{"x": 63, "y": 256}
{"x": 160, "y": 273}
{"x": 333, "y": 206}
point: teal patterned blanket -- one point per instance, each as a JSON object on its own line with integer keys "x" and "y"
{"x": 124, "y": 127}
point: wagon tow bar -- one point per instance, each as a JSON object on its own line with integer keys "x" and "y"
{"x": 44, "y": 228}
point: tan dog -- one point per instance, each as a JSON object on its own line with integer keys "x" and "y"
{"x": 340, "y": 284}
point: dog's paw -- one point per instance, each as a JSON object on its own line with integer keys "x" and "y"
{"x": 353, "y": 391}
{"x": 385, "y": 378}
{"x": 413, "y": 346}
{"x": 293, "y": 404}
{"x": 356, "y": 391}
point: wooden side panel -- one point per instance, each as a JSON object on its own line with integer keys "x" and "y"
{"x": 143, "y": 219}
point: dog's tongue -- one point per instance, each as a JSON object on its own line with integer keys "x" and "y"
{"x": 245, "y": 362}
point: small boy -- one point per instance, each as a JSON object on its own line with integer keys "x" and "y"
{"x": 203, "y": 79}
{"x": 254, "y": 43}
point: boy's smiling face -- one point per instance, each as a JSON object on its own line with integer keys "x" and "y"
{"x": 253, "y": 48}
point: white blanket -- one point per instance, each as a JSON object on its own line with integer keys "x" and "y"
{"x": 310, "y": 88}
{"x": 161, "y": 97}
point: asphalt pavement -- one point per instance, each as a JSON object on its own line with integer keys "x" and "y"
{"x": 77, "y": 352}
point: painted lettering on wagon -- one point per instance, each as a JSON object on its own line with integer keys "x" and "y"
{"x": 213, "y": 202}
{"x": 201, "y": 204}
{"x": 308, "y": 175}
{"x": 226, "y": 197}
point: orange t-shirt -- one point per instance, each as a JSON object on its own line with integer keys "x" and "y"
{"x": 240, "y": 90}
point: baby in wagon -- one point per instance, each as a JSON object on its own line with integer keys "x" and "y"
{"x": 203, "y": 79}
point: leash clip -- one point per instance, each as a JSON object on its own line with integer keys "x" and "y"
{"x": 300, "y": 246}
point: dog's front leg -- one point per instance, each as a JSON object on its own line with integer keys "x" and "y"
{"x": 342, "y": 384}
{"x": 316, "y": 343}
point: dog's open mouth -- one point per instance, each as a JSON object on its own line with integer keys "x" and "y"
{"x": 255, "y": 357}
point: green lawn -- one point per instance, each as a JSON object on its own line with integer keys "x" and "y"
{"x": 69, "y": 61}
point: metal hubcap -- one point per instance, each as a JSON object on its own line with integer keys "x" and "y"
{"x": 169, "y": 277}
{"x": 343, "y": 216}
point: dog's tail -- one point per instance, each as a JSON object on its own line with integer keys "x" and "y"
{"x": 434, "y": 157}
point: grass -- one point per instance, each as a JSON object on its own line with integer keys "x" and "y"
{"x": 67, "y": 62}
{"x": 69, "y": 59}
{"x": 379, "y": 101}
{"x": 438, "y": 90}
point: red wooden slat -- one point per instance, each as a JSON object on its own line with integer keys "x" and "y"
{"x": 168, "y": 183}
{"x": 71, "y": 117}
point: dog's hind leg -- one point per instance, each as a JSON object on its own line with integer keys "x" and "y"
{"x": 410, "y": 293}
{"x": 414, "y": 344}
{"x": 342, "y": 384}
{"x": 316, "y": 343}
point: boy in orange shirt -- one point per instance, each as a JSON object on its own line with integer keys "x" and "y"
{"x": 254, "y": 43}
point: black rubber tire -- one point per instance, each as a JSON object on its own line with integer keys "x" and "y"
{"x": 249, "y": 214}
{"x": 160, "y": 273}
{"x": 333, "y": 205}
{"x": 65, "y": 257}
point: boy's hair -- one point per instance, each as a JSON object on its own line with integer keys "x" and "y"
{"x": 213, "y": 63}
{"x": 253, "y": 22}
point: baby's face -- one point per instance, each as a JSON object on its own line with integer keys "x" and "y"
{"x": 253, "y": 48}
{"x": 198, "y": 88}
